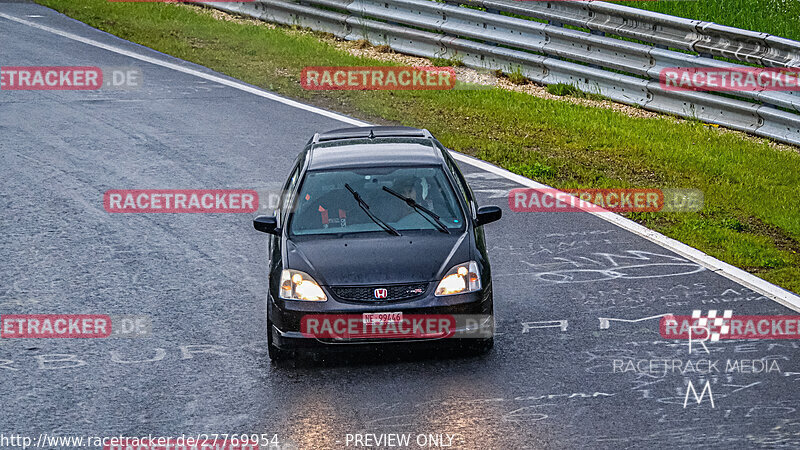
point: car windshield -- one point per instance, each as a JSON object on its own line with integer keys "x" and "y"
{"x": 325, "y": 205}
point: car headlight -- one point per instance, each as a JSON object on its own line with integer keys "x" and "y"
{"x": 297, "y": 285}
{"x": 461, "y": 279}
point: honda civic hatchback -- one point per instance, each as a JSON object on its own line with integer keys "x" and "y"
{"x": 377, "y": 241}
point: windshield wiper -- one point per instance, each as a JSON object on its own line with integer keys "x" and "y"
{"x": 421, "y": 210}
{"x": 364, "y": 206}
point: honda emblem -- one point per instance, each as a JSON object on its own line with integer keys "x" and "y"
{"x": 381, "y": 293}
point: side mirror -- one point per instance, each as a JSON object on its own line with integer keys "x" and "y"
{"x": 488, "y": 214}
{"x": 267, "y": 224}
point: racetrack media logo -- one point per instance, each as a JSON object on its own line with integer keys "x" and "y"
{"x": 180, "y": 201}
{"x": 377, "y": 78}
{"x": 65, "y": 78}
{"x": 712, "y": 327}
{"x": 732, "y": 79}
{"x": 614, "y": 200}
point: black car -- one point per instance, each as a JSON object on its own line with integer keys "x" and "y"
{"x": 378, "y": 225}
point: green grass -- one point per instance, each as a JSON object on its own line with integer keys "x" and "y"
{"x": 515, "y": 76}
{"x": 752, "y": 218}
{"x": 562, "y": 89}
{"x": 454, "y": 61}
{"x": 778, "y": 17}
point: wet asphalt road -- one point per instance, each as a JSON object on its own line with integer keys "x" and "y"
{"x": 200, "y": 280}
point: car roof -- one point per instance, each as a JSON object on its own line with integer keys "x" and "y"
{"x": 373, "y": 146}
{"x": 365, "y": 132}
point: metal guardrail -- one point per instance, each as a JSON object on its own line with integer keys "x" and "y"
{"x": 669, "y": 31}
{"x": 550, "y": 53}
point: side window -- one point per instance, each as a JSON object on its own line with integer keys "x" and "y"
{"x": 465, "y": 185}
{"x": 462, "y": 187}
{"x": 291, "y": 184}
{"x": 460, "y": 182}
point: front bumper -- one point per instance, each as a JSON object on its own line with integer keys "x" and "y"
{"x": 287, "y": 316}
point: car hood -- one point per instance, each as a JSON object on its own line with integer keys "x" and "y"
{"x": 380, "y": 259}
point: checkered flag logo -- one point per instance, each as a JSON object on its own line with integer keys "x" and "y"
{"x": 713, "y": 323}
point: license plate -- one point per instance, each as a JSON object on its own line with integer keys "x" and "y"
{"x": 383, "y": 317}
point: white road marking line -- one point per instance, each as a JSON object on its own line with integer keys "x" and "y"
{"x": 739, "y": 276}
{"x": 188, "y": 71}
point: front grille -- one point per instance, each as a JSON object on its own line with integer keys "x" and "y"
{"x": 367, "y": 293}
